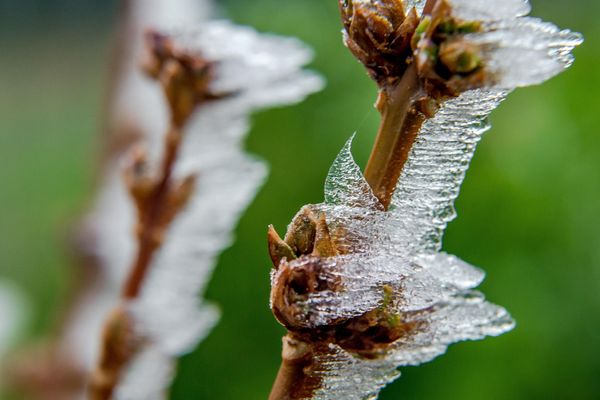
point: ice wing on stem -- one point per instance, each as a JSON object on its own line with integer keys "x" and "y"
{"x": 525, "y": 51}
{"x": 436, "y": 167}
{"x": 345, "y": 184}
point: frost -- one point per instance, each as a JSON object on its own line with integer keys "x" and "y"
{"x": 526, "y": 51}
{"x": 439, "y": 159}
{"x": 436, "y": 288}
{"x": 402, "y": 248}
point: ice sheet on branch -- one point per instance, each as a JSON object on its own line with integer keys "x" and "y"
{"x": 396, "y": 249}
{"x": 517, "y": 50}
{"x": 401, "y": 248}
{"x": 431, "y": 179}
{"x": 525, "y": 51}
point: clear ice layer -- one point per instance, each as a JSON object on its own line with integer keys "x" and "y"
{"x": 525, "y": 51}
{"x": 401, "y": 248}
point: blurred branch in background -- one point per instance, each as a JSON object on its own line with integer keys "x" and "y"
{"x": 230, "y": 71}
{"x": 134, "y": 111}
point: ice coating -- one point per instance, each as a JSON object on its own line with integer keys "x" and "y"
{"x": 169, "y": 311}
{"x": 137, "y": 104}
{"x": 516, "y": 50}
{"x": 479, "y": 9}
{"x": 465, "y": 317}
{"x": 248, "y": 59}
{"x": 436, "y": 288}
{"x": 401, "y": 248}
{"x": 148, "y": 376}
{"x": 526, "y": 51}
{"x": 432, "y": 176}
{"x": 354, "y": 192}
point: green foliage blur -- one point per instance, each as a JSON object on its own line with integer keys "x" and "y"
{"x": 528, "y": 212}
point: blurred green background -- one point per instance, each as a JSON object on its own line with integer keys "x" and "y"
{"x": 528, "y": 212}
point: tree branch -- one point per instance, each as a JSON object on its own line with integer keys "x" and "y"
{"x": 401, "y": 121}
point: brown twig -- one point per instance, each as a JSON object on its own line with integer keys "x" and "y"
{"x": 292, "y": 382}
{"x": 150, "y": 229}
{"x": 184, "y": 78}
{"x": 401, "y": 120}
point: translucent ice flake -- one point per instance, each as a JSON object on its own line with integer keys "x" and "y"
{"x": 436, "y": 167}
{"x": 247, "y": 58}
{"x": 399, "y": 250}
{"x": 525, "y": 51}
{"x": 417, "y": 4}
{"x": 345, "y": 184}
{"x": 465, "y": 317}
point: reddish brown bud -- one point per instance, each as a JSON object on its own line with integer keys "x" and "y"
{"x": 185, "y": 75}
{"x": 378, "y": 33}
{"x": 278, "y": 249}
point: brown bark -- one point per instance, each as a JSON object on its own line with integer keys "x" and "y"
{"x": 151, "y": 224}
{"x": 158, "y": 200}
{"x": 401, "y": 120}
{"x": 292, "y": 380}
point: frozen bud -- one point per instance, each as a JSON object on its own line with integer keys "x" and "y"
{"x": 184, "y": 75}
{"x": 293, "y": 285}
{"x": 460, "y": 57}
{"x": 378, "y": 33}
{"x": 278, "y": 249}
{"x": 138, "y": 177}
{"x": 302, "y": 231}
{"x": 119, "y": 344}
